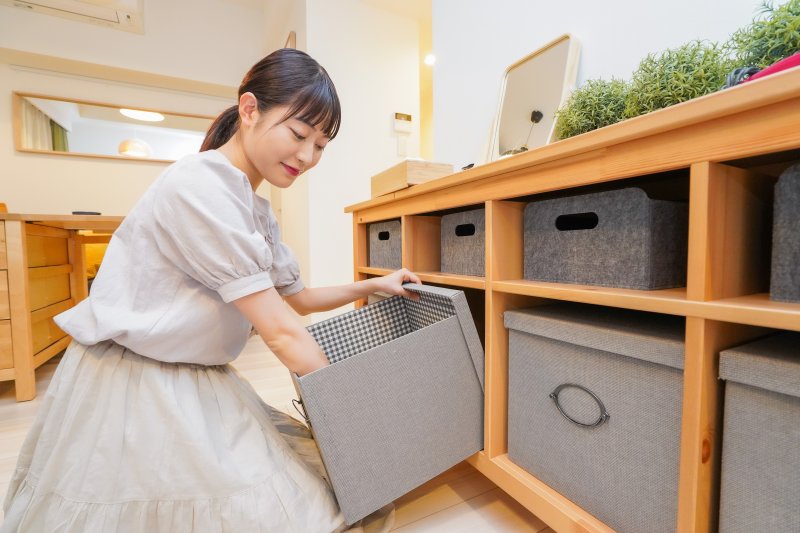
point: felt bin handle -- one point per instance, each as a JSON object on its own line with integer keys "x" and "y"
{"x": 603, "y": 413}
{"x": 577, "y": 221}
{"x": 383, "y": 235}
{"x": 465, "y": 230}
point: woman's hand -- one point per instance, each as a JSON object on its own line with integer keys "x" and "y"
{"x": 326, "y": 298}
{"x": 393, "y": 283}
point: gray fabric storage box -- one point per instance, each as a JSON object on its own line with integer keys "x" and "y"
{"x": 618, "y": 238}
{"x": 464, "y": 242}
{"x": 385, "y": 250}
{"x": 402, "y": 400}
{"x": 624, "y": 469}
{"x": 785, "y": 279}
{"x": 760, "y": 486}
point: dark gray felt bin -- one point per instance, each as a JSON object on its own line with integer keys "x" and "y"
{"x": 760, "y": 484}
{"x": 385, "y": 250}
{"x": 785, "y": 279}
{"x": 463, "y": 242}
{"x": 624, "y": 470}
{"x": 618, "y": 238}
{"x": 402, "y": 400}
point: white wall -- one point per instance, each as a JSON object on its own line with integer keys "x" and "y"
{"x": 290, "y": 205}
{"x": 372, "y": 57}
{"x": 214, "y": 41}
{"x": 475, "y": 41}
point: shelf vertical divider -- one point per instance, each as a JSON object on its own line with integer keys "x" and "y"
{"x": 729, "y": 232}
{"x": 725, "y": 219}
{"x": 421, "y": 241}
{"x": 504, "y": 253}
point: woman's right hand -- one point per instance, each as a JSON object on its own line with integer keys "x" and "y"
{"x": 393, "y": 283}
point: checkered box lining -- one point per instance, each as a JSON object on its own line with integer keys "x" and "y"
{"x": 377, "y": 324}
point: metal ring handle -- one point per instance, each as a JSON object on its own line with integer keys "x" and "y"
{"x": 603, "y": 413}
{"x": 301, "y": 409}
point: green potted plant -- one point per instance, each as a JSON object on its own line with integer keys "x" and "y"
{"x": 676, "y": 75}
{"x": 772, "y": 36}
{"x": 596, "y": 104}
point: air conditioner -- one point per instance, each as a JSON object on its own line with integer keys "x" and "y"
{"x": 124, "y": 15}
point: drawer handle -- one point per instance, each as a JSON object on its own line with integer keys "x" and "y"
{"x": 383, "y": 235}
{"x": 603, "y": 413}
{"x": 465, "y": 230}
{"x": 577, "y": 221}
{"x": 300, "y": 408}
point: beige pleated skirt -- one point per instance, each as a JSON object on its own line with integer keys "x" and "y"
{"x": 124, "y": 443}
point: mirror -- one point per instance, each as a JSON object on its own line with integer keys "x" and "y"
{"x": 49, "y": 124}
{"x": 534, "y": 88}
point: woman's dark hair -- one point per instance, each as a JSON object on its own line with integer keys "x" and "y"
{"x": 285, "y": 77}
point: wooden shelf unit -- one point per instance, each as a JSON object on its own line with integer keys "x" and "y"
{"x": 732, "y": 145}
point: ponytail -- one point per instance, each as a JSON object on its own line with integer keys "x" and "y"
{"x": 222, "y": 129}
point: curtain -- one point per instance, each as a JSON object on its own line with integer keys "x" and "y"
{"x": 60, "y": 141}
{"x": 36, "y": 131}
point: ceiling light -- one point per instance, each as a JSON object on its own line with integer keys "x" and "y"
{"x": 430, "y": 59}
{"x": 134, "y": 148}
{"x": 147, "y": 116}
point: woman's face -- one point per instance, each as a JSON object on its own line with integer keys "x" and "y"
{"x": 280, "y": 150}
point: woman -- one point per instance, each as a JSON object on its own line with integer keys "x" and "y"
{"x": 145, "y": 427}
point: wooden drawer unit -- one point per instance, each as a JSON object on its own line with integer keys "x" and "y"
{"x": 6, "y": 355}
{"x": 42, "y": 274}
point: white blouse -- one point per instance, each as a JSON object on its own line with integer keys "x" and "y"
{"x": 198, "y": 239}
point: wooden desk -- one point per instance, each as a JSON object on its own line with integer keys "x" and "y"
{"x": 42, "y": 273}
{"x": 722, "y": 152}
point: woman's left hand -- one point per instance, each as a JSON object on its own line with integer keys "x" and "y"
{"x": 393, "y": 283}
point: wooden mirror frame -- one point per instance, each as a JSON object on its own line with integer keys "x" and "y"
{"x": 17, "y": 127}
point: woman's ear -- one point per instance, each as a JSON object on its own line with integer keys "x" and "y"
{"x": 248, "y": 109}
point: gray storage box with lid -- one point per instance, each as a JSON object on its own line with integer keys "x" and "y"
{"x": 463, "y": 238}
{"x": 594, "y": 409}
{"x": 385, "y": 248}
{"x": 618, "y": 238}
{"x": 760, "y": 479}
{"x": 402, "y": 400}
{"x": 785, "y": 279}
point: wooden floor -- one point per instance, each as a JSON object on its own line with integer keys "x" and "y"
{"x": 459, "y": 500}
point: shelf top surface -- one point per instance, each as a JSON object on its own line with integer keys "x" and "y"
{"x": 96, "y": 222}
{"x": 729, "y": 102}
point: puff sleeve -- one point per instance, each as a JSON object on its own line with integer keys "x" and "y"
{"x": 206, "y": 226}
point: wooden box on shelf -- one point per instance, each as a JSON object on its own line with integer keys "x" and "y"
{"x": 407, "y": 173}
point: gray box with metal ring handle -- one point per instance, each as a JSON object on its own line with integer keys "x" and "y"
{"x": 594, "y": 408}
